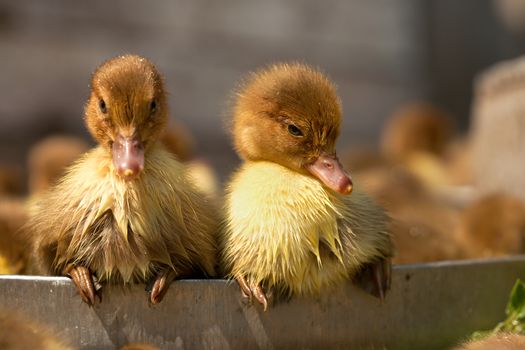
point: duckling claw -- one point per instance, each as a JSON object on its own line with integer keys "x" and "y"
{"x": 161, "y": 286}
{"x": 253, "y": 291}
{"x": 259, "y": 294}
{"x": 376, "y": 278}
{"x": 83, "y": 280}
{"x": 245, "y": 289}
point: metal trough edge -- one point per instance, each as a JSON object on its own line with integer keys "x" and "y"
{"x": 430, "y": 306}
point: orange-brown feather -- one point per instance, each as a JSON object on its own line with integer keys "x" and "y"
{"x": 286, "y": 94}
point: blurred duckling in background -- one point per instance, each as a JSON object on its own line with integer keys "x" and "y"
{"x": 13, "y": 250}
{"x": 13, "y": 216}
{"x": 416, "y": 128}
{"x": 126, "y": 212}
{"x": 363, "y": 158}
{"x": 493, "y": 225}
{"x": 500, "y": 341}
{"x": 178, "y": 140}
{"x": 11, "y": 183}
{"x": 415, "y": 177}
{"x": 292, "y": 225}
{"x": 423, "y": 227}
{"x": 49, "y": 158}
{"x": 13, "y": 244}
{"x": 425, "y": 233}
{"x": 417, "y": 135}
{"x": 18, "y": 332}
{"x": 47, "y": 161}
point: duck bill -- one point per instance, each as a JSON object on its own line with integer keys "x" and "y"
{"x": 331, "y": 173}
{"x": 128, "y": 157}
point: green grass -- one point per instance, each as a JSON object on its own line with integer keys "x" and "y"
{"x": 515, "y": 311}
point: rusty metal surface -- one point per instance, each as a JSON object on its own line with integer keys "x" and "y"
{"x": 430, "y": 307}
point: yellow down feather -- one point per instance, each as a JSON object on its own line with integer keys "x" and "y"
{"x": 285, "y": 230}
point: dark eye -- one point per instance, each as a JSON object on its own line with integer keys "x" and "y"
{"x": 294, "y": 130}
{"x": 102, "y": 106}
{"x": 153, "y": 106}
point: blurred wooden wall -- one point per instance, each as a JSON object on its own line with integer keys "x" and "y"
{"x": 377, "y": 51}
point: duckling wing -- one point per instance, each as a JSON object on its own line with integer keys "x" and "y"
{"x": 366, "y": 242}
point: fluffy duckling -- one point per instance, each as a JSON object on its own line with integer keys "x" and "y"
{"x": 459, "y": 163}
{"x": 493, "y": 225}
{"x": 178, "y": 140}
{"x": 391, "y": 186}
{"x": 423, "y": 227}
{"x": 13, "y": 244}
{"x": 417, "y": 136}
{"x": 424, "y": 232}
{"x": 126, "y": 211}
{"x": 363, "y": 159}
{"x": 13, "y": 215}
{"x": 10, "y": 181}
{"x": 18, "y": 332}
{"x": 501, "y": 341}
{"x": 49, "y": 158}
{"x": 416, "y": 128}
{"x": 292, "y": 225}
{"x": 204, "y": 177}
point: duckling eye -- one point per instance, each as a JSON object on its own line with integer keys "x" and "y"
{"x": 102, "y": 106}
{"x": 294, "y": 130}
{"x": 153, "y": 106}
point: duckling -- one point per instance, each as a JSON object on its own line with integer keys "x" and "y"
{"x": 13, "y": 244}
{"x": 13, "y": 252}
{"x": 423, "y": 226}
{"x": 417, "y": 136}
{"x": 126, "y": 212}
{"x": 48, "y": 159}
{"x": 391, "y": 186}
{"x": 291, "y": 224}
{"x": 178, "y": 140}
{"x": 416, "y": 128}
{"x": 362, "y": 158}
{"x": 18, "y": 332}
{"x": 424, "y": 232}
{"x": 10, "y": 180}
{"x": 500, "y": 341}
{"x": 459, "y": 165}
{"x": 493, "y": 225}
{"x": 204, "y": 177}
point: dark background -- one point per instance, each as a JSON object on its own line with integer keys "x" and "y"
{"x": 381, "y": 54}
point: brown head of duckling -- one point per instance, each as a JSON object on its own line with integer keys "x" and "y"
{"x": 127, "y": 111}
{"x": 290, "y": 114}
